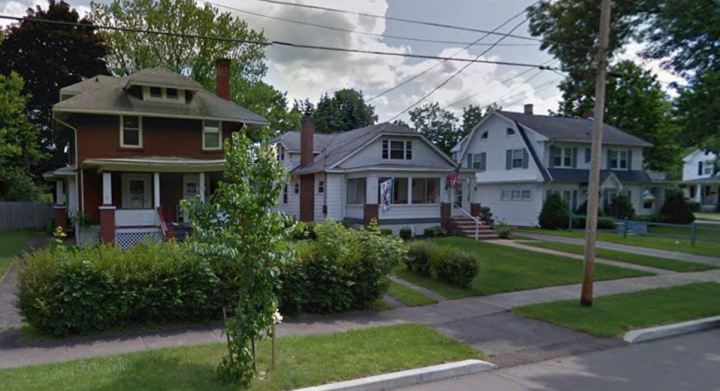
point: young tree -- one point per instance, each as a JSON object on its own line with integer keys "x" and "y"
{"x": 19, "y": 150}
{"x": 437, "y": 125}
{"x": 239, "y": 228}
{"x": 49, "y": 57}
{"x": 345, "y": 110}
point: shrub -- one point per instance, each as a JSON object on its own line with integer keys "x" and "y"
{"x": 433, "y": 232}
{"x": 304, "y": 231}
{"x": 603, "y": 222}
{"x": 419, "y": 256}
{"x": 621, "y": 207}
{"x": 555, "y": 213}
{"x": 676, "y": 210}
{"x": 386, "y": 231}
{"x": 342, "y": 269}
{"x": 502, "y": 229}
{"x": 486, "y": 215}
{"x": 454, "y": 267}
{"x": 695, "y": 206}
{"x": 79, "y": 291}
{"x": 406, "y": 233}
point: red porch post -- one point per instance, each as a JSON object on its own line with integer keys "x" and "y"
{"x": 107, "y": 224}
{"x": 445, "y": 210}
{"x": 61, "y": 217}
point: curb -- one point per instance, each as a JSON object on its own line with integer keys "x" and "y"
{"x": 671, "y": 330}
{"x": 408, "y": 377}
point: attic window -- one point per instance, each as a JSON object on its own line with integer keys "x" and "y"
{"x": 171, "y": 93}
{"x": 156, "y": 92}
{"x": 163, "y": 94}
{"x": 510, "y": 132}
{"x": 484, "y": 135}
{"x": 397, "y": 149}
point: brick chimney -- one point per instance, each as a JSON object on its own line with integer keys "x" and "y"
{"x": 307, "y": 129}
{"x": 222, "y": 78}
{"x": 528, "y": 108}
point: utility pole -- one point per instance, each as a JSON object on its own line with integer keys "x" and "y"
{"x": 586, "y": 298}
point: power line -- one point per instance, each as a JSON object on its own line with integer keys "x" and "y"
{"x": 351, "y": 31}
{"x": 444, "y": 82}
{"x": 272, "y": 43}
{"x": 537, "y": 89}
{"x": 397, "y": 19}
{"x": 408, "y": 80}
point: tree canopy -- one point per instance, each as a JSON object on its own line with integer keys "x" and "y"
{"x": 438, "y": 125}
{"x": 19, "y": 150}
{"x": 344, "y": 110}
{"x": 49, "y": 57}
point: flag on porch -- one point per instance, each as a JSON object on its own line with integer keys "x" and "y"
{"x": 452, "y": 178}
{"x": 386, "y": 194}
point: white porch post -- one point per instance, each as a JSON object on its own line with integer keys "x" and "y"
{"x": 156, "y": 189}
{"x": 371, "y": 190}
{"x": 201, "y": 186}
{"x": 59, "y": 194}
{"x": 409, "y": 190}
{"x": 107, "y": 188}
{"x": 698, "y": 193}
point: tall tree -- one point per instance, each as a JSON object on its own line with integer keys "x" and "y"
{"x": 344, "y": 110}
{"x": 49, "y": 57}
{"x": 194, "y": 57}
{"x": 472, "y": 114}
{"x": 19, "y": 150}
{"x": 438, "y": 125}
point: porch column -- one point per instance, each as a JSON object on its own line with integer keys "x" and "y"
{"x": 370, "y": 209}
{"x": 445, "y": 210}
{"x": 409, "y": 190}
{"x": 201, "y": 187}
{"x": 698, "y": 193}
{"x": 156, "y": 189}
{"x": 61, "y": 216}
{"x": 107, "y": 211}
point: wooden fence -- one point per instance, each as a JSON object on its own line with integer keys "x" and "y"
{"x": 18, "y": 215}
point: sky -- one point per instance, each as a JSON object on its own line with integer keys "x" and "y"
{"x": 311, "y": 73}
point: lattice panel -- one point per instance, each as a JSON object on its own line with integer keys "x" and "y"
{"x": 127, "y": 239}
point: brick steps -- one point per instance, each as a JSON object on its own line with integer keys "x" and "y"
{"x": 466, "y": 227}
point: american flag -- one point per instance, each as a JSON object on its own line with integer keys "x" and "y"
{"x": 452, "y": 178}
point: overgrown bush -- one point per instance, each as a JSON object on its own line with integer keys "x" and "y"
{"x": 78, "y": 291}
{"x": 486, "y": 215}
{"x": 342, "y": 269}
{"x": 433, "y": 232}
{"x": 406, "y": 233}
{"x": 621, "y": 207}
{"x": 555, "y": 213}
{"x": 386, "y": 231}
{"x": 676, "y": 210}
{"x": 502, "y": 229}
{"x": 304, "y": 231}
{"x": 455, "y": 267}
{"x": 442, "y": 262}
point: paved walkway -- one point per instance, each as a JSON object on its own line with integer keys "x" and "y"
{"x": 678, "y": 256}
{"x": 483, "y": 322}
{"x": 520, "y": 245}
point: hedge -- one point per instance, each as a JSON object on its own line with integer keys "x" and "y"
{"x": 342, "y": 269}
{"x": 442, "y": 262}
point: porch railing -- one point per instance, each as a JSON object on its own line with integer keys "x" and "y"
{"x": 475, "y": 219}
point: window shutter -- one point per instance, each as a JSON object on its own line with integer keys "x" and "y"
{"x": 526, "y": 159}
{"x": 610, "y": 155}
{"x": 700, "y": 168}
{"x": 574, "y": 158}
{"x": 483, "y": 160}
{"x": 588, "y": 155}
{"x": 469, "y": 160}
{"x": 508, "y": 159}
{"x": 629, "y": 164}
{"x": 553, "y": 153}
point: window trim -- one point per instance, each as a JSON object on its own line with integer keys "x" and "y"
{"x": 218, "y": 131}
{"x": 147, "y": 95}
{"x": 426, "y": 181}
{"x": 562, "y": 155}
{"x": 513, "y": 159}
{"x": 362, "y": 194}
{"x": 122, "y": 132}
{"x": 618, "y": 160}
{"x": 708, "y": 167}
{"x": 510, "y": 132}
{"x": 519, "y": 191}
{"x": 386, "y": 149}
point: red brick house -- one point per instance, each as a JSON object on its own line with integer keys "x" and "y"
{"x": 140, "y": 144}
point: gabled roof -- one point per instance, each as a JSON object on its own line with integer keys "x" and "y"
{"x": 333, "y": 148}
{"x": 572, "y": 129}
{"x": 108, "y": 95}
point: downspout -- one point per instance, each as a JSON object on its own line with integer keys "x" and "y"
{"x": 75, "y": 160}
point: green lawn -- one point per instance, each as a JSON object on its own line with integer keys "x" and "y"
{"x": 407, "y": 296}
{"x": 646, "y": 260}
{"x": 707, "y": 248}
{"x": 614, "y": 315}
{"x": 302, "y": 361}
{"x": 11, "y": 244}
{"x": 507, "y": 269}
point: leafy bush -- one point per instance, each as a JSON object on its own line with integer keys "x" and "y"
{"x": 386, "y": 231}
{"x": 442, "y": 262}
{"x": 79, "y": 291}
{"x": 603, "y": 222}
{"x": 555, "y": 213}
{"x": 695, "y": 206}
{"x": 455, "y": 267}
{"x": 676, "y": 210}
{"x": 406, "y": 233}
{"x": 486, "y": 215}
{"x": 433, "y": 232}
{"x": 621, "y": 207}
{"x": 304, "y": 231}
{"x": 342, "y": 269}
{"x": 502, "y": 229}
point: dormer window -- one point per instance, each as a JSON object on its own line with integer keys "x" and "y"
{"x": 130, "y": 131}
{"x": 397, "y": 150}
{"x": 156, "y": 92}
{"x": 163, "y": 94}
{"x": 211, "y": 136}
{"x": 171, "y": 93}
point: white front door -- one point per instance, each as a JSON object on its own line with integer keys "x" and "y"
{"x": 136, "y": 193}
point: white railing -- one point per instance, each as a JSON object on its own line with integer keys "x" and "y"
{"x": 475, "y": 219}
{"x": 136, "y": 218}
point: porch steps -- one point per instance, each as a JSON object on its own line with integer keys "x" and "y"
{"x": 465, "y": 226}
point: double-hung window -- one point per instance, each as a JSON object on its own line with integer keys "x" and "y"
{"x": 211, "y": 136}
{"x": 517, "y": 158}
{"x": 618, "y": 159}
{"x": 708, "y": 168}
{"x": 516, "y": 195}
{"x": 397, "y": 150}
{"x": 130, "y": 131}
{"x": 563, "y": 157}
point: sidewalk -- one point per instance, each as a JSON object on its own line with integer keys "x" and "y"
{"x": 483, "y": 322}
{"x": 678, "y": 256}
